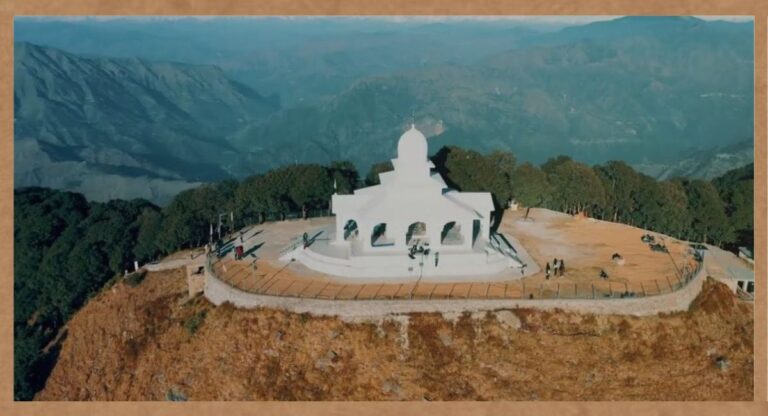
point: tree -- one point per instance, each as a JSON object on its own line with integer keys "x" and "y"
{"x": 345, "y": 176}
{"x": 736, "y": 188}
{"x": 308, "y": 186}
{"x": 498, "y": 172}
{"x": 150, "y": 223}
{"x": 188, "y": 218}
{"x": 621, "y": 184}
{"x": 530, "y": 186}
{"x": 68, "y": 248}
{"x": 709, "y": 222}
{"x": 674, "y": 218}
{"x": 576, "y": 187}
{"x": 250, "y": 200}
{"x": 372, "y": 178}
{"x": 470, "y": 171}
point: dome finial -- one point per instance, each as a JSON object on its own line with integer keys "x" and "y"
{"x": 412, "y": 146}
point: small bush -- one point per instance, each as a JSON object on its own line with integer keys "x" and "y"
{"x": 193, "y": 323}
{"x": 175, "y": 396}
{"x": 135, "y": 278}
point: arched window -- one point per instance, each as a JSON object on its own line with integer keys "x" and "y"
{"x": 417, "y": 230}
{"x": 350, "y": 230}
{"x": 451, "y": 234}
{"x": 379, "y": 236}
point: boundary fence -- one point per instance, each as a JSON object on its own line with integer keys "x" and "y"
{"x": 247, "y": 278}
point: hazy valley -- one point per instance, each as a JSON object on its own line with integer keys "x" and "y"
{"x": 147, "y": 112}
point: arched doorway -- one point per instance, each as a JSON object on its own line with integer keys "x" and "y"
{"x": 379, "y": 237}
{"x": 476, "y": 228}
{"x": 417, "y": 230}
{"x": 451, "y": 234}
{"x": 351, "y": 230}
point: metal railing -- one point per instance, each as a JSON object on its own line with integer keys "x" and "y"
{"x": 248, "y": 278}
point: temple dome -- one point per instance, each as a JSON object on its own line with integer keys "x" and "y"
{"x": 412, "y": 147}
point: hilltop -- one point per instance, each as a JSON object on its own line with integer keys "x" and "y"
{"x": 147, "y": 343}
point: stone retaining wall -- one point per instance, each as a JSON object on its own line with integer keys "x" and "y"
{"x": 199, "y": 260}
{"x": 219, "y": 292}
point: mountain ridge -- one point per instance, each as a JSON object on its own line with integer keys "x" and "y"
{"x": 160, "y": 121}
{"x": 598, "y": 99}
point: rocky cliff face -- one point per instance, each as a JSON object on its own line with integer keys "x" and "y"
{"x": 147, "y": 343}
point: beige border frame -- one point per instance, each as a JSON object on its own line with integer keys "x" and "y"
{"x": 9, "y": 8}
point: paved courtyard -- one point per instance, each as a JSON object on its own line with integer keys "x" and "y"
{"x": 585, "y": 244}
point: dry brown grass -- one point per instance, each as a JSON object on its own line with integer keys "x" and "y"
{"x": 130, "y": 344}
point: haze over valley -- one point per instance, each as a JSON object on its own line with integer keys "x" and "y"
{"x": 128, "y": 108}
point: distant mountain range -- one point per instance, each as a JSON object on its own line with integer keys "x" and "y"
{"x": 594, "y": 98}
{"x": 705, "y": 164}
{"x": 662, "y": 93}
{"x": 301, "y": 60}
{"x": 85, "y": 124}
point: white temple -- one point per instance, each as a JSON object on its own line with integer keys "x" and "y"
{"x": 411, "y": 225}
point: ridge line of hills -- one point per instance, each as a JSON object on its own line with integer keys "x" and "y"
{"x": 609, "y": 90}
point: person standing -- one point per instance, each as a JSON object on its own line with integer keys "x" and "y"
{"x": 562, "y": 267}
{"x": 547, "y": 270}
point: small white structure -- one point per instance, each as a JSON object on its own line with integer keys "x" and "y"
{"x": 411, "y": 225}
{"x": 746, "y": 255}
{"x": 731, "y": 270}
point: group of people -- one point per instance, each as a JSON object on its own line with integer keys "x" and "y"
{"x": 557, "y": 268}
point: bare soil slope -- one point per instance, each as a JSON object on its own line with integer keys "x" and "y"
{"x": 146, "y": 343}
